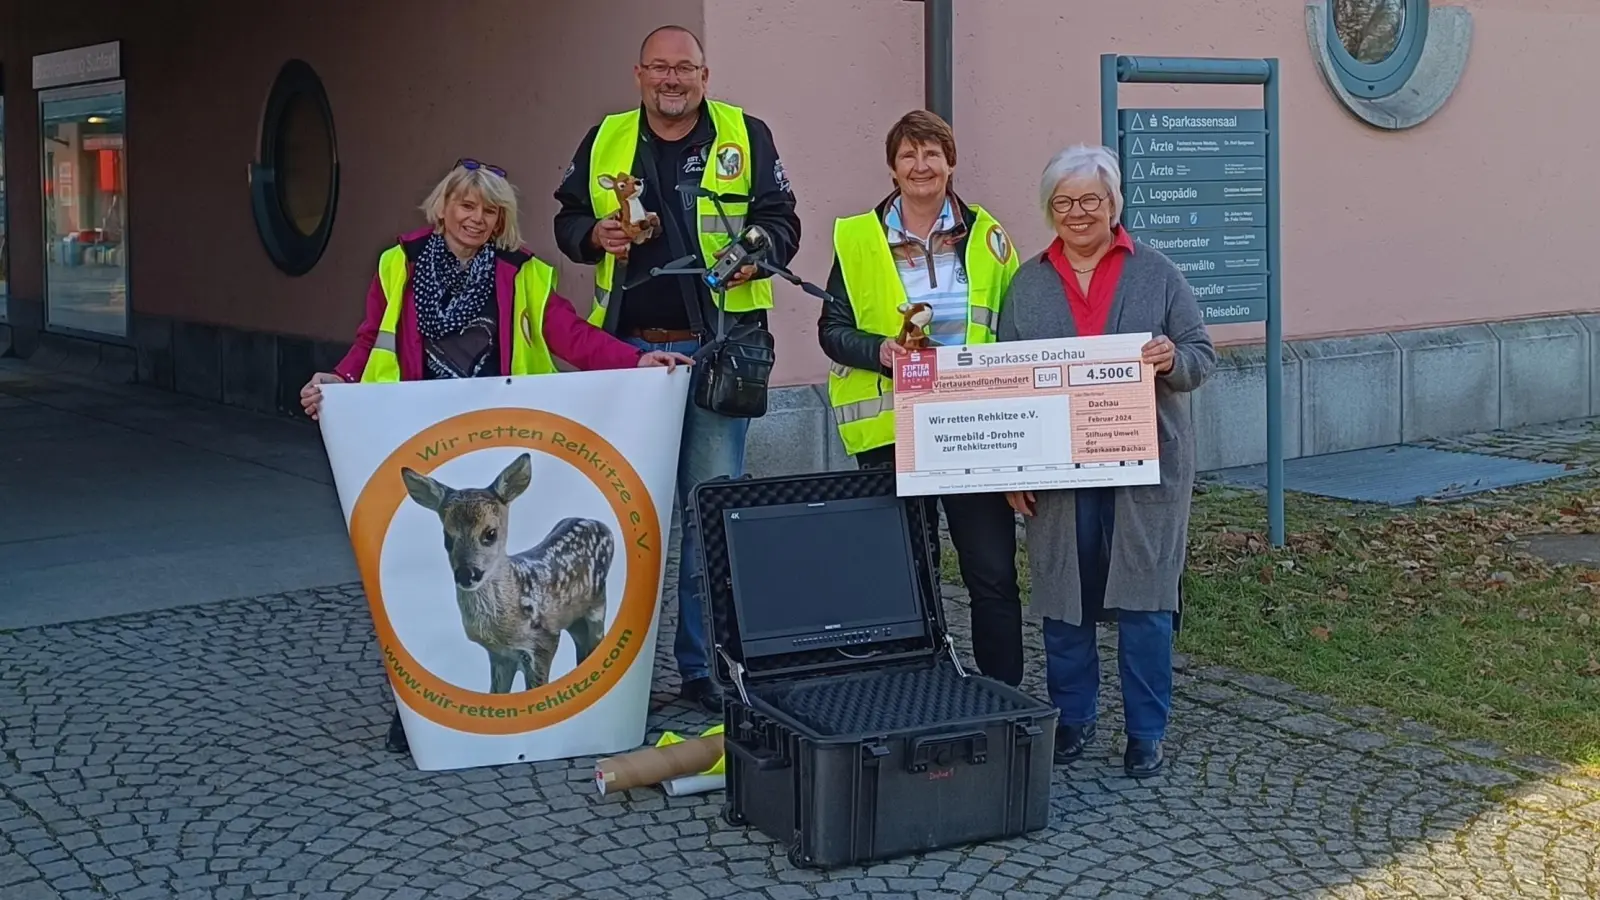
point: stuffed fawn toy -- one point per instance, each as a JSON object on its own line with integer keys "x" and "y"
{"x": 638, "y": 224}
{"x": 914, "y": 328}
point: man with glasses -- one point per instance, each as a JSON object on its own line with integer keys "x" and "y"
{"x": 678, "y": 137}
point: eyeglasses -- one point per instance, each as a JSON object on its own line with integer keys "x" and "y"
{"x": 470, "y": 164}
{"x": 1063, "y": 204}
{"x": 660, "y": 70}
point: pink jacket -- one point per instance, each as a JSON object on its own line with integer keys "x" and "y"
{"x": 568, "y": 336}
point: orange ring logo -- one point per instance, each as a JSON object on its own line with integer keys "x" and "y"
{"x": 729, "y": 158}
{"x": 523, "y": 711}
{"x": 999, "y": 245}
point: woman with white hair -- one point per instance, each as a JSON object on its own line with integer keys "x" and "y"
{"x": 463, "y": 298}
{"x": 1099, "y": 552}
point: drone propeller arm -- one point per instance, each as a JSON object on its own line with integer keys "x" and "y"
{"x": 795, "y": 280}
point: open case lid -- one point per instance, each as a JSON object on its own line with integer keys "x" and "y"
{"x": 813, "y": 574}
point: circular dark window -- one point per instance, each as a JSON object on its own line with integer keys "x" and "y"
{"x": 1375, "y": 44}
{"x": 294, "y": 185}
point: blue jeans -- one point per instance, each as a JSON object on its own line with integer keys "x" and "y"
{"x": 1144, "y": 639}
{"x": 712, "y": 445}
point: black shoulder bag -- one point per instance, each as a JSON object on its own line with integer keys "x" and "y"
{"x": 730, "y": 371}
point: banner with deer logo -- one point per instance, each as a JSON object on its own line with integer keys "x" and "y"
{"x": 511, "y": 537}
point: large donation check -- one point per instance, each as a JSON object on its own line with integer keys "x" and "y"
{"x": 1026, "y": 415}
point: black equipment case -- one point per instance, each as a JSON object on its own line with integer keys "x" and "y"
{"x": 858, "y": 741}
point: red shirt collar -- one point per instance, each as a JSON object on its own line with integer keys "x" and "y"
{"x": 1120, "y": 240}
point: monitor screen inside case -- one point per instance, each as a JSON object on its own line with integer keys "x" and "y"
{"x": 823, "y": 574}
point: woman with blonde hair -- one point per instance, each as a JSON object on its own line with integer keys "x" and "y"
{"x": 463, "y": 298}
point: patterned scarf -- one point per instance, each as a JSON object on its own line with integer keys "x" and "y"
{"x": 449, "y": 297}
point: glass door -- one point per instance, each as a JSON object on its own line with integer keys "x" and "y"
{"x": 83, "y": 133}
{"x": 5, "y": 243}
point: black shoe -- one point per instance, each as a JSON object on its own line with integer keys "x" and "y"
{"x": 1142, "y": 758}
{"x": 397, "y": 742}
{"x": 702, "y": 692}
{"x": 1070, "y": 741}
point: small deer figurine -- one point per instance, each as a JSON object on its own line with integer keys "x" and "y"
{"x": 914, "y": 327}
{"x": 516, "y": 606}
{"x": 638, "y": 224}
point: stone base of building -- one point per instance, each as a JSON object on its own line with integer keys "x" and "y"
{"x": 1343, "y": 393}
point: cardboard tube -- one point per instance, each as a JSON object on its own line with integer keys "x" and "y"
{"x": 653, "y": 765}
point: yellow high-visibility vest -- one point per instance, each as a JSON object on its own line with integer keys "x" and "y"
{"x": 862, "y": 399}
{"x": 530, "y": 355}
{"x": 726, "y": 172}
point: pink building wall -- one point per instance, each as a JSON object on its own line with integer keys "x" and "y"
{"x": 1480, "y": 213}
{"x": 510, "y": 82}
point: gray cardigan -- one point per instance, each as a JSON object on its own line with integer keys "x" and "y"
{"x": 1152, "y": 521}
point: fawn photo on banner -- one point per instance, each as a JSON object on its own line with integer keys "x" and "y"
{"x": 511, "y": 537}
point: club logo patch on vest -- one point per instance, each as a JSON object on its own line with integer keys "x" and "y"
{"x": 730, "y": 162}
{"x": 998, "y": 244}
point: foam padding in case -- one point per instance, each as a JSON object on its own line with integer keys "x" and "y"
{"x": 877, "y": 702}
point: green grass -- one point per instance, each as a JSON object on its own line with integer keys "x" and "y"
{"x": 1431, "y": 612}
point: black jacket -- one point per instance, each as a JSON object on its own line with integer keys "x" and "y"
{"x": 772, "y": 206}
{"x": 840, "y": 339}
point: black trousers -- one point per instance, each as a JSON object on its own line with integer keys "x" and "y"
{"x": 983, "y": 530}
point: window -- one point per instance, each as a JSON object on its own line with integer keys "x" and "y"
{"x": 294, "y": 187}
{"x": 5, "y": 245}
{"x": 83, "y": 137}
{"x": 1374, "y": 45}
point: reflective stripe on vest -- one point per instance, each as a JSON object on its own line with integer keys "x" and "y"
{"x": 530, "y": 355}
{"x": 863, "y": 400}
{"x": 726, "y": 172}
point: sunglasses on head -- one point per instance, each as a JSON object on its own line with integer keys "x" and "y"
{"x": 470, "y": 164}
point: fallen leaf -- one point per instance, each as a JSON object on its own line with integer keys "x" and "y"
{"x": 1584, "y": 619}
{"x": 1321, "y": 633}
{"x": 1592, "y": 668}
{"x": 1591, "y": 576}
{"x": 1265, "y": 575}
{"x": 1340, "y": 593}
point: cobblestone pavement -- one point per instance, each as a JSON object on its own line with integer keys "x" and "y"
{"x": 235, "y": 750}
{"x": 1576, "y": 442}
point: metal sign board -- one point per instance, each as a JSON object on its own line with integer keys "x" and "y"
{"x": 1207, "y": 265}
{"x": 1197, "y": 192}
{"x": 1242, "y": 287}
{"x": 1206, "y": 241}
{"x": 1231, "y": 312}
{"x": 1206, "y": 168}
{"x": 1137, "y": 121}
{"x": 1202, "y": 185}
{"x": 1171, "y": 218}
{"x": 1241, "y": 144}
{"x": 79, "y": 65}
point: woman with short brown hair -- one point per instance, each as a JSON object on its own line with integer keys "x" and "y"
{"x": 924, "y": 244}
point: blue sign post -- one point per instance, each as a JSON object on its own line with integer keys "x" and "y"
{"x": 1201, "y": 186}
